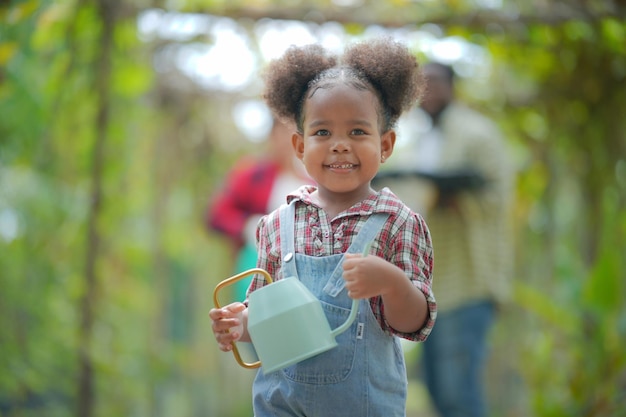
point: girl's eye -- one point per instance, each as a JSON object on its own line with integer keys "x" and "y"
{"x": 358, "y": 132}
{"x": 322, "y": 132}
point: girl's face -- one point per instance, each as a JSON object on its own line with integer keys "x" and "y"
{"x": 341, "y": 145}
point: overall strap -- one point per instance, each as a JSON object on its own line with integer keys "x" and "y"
{"x": 287, "y": 243}
{"x": 366, "y": 235}
{"x": 368, "y": 232}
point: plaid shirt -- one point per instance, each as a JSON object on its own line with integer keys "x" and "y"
{"x": 404, "y": 241}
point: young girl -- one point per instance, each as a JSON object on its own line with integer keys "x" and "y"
{"x": 345, "y": 112}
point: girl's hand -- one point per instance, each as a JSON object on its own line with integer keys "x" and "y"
{"x": 363, "y": 275}
{"x": 227, "y": 324}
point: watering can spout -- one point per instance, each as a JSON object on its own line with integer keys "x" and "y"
{"x": 355, "y": 305}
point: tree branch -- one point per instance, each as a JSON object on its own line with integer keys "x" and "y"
{"x": 477, "y": 20}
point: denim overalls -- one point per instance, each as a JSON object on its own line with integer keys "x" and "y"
{"x": 365, "y": 375}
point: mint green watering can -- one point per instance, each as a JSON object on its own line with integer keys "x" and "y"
{"x": 286, "y": 322}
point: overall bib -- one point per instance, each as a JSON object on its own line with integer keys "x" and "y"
{"x": 364, "y": 375}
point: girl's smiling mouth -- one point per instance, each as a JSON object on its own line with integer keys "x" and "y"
{"x": 342, "y": 166}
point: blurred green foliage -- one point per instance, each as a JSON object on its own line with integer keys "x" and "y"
{"x": 558, "y": 93}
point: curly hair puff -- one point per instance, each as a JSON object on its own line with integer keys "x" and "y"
{"x": 383, "y": 65}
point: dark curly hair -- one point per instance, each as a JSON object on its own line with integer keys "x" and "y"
{"x": 383, "y": 66}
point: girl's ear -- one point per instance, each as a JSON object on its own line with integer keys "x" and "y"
{"x": 297, "y": 140}
{"x": 387, "y": 143}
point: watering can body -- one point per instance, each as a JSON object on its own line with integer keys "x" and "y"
{"x": 286, "y": 323}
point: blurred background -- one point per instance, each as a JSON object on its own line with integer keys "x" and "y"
{"x": 120, "y": 118}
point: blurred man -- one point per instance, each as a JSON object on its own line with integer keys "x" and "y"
{"x": 457, "y": 174}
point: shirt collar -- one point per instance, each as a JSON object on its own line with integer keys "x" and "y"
{"x": 381, "y": 202}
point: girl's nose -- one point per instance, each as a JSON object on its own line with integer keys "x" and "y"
{"x": 340, "y": 145}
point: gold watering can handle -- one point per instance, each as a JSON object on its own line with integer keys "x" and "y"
{"x": 232, "y": 280}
